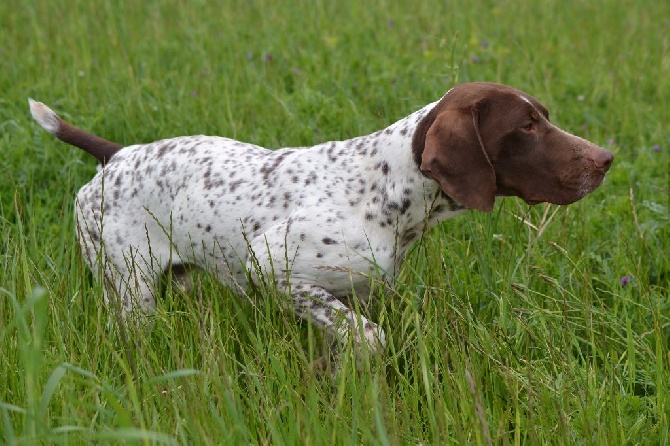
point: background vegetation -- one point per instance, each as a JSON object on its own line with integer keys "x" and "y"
{"x": 526, "y": 325}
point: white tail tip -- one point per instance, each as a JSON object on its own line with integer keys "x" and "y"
{"x": 44, "y": 116}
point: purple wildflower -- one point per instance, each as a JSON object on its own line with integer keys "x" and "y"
{"x": 656, "y": 148}
{"x": 484, "y": 43}
{"x": 475, "y": 59}
{"x": 625, "y": 280}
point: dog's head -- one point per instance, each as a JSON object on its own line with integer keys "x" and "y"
{"x": 484, "y": 140}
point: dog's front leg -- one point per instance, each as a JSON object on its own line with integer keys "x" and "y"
{"x": 339, "y": 322}
{"x": 316, "y": 305}
{"x": 279, "y": 256}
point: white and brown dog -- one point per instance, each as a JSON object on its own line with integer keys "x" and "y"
{"x": 318, "y": 221}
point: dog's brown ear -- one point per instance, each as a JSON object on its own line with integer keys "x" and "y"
{"x": 455, "y": 157}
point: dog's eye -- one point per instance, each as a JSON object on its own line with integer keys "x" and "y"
{"x": 528, "y": 127}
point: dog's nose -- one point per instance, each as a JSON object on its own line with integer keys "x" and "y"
{"x": 601, "y": 158}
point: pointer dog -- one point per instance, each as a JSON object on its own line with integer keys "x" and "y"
{"x": 318, "y": 221}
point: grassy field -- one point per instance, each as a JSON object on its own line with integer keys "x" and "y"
{"x": 523, "y": 326}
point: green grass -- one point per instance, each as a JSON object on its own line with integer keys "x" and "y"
{"x": 511, "y": 327}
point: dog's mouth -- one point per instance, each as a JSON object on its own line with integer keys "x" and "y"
{"x": 569, "y": 191}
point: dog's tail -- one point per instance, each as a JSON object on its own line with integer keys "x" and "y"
{"x": 100, "y": 148}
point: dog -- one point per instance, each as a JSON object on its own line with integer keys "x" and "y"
{"x": 320, "y": 223}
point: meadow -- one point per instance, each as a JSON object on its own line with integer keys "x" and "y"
{"x": 528, "y": 325}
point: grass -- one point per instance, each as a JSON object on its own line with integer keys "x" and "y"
{"x": 506, "y": 328}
